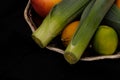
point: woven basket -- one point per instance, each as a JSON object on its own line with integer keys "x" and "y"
{"x": 34, "y": 21}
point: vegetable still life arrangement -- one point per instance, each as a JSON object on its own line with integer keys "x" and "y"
{"x": 81, "y": 25}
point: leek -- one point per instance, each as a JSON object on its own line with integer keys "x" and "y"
{"x": 112, "y": 18}
{"x": 59, "y": 16}
{"x": 86, "y": 30}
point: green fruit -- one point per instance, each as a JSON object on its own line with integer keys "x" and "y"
{"x": 105, "y": 40}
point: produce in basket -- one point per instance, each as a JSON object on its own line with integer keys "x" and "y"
{"x": 86, "y": 30}
{"x": 60, "y": 16}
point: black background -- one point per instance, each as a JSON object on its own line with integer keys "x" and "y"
{"x": 22, "y": 59}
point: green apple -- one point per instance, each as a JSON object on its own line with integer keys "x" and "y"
{"x": 105, "y": 40}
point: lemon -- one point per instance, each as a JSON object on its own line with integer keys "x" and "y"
{"x": 105, "y": 40}
{"x": 68, "y": 32}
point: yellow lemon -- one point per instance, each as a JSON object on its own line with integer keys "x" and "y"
{"x": 68, "y": 32}
{"x": 105, "y": 40}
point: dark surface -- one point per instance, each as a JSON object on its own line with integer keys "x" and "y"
{"x": 22, "y": 59}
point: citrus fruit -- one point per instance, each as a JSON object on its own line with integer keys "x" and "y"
{"x": 105, "y": 40}
{"x": 68, "y": 32}
{"x": 43, "y": 7}
{"x": 117, "y": 2}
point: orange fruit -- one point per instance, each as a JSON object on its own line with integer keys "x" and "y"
{"x": 117, "y": 2}
{"x": 68, "y": 32}
{"x": 43, "y": 7}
